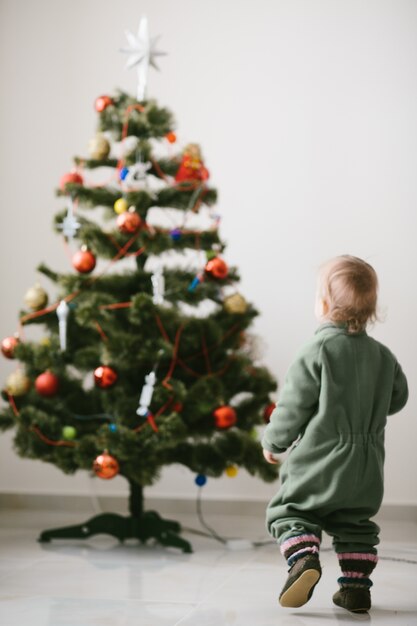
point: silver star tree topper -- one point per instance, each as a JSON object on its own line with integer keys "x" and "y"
{"x": 142, "y": 53}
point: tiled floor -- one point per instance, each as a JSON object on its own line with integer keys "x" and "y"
{"x": 100, "y": 582}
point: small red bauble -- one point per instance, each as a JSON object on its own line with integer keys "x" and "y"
{"x": 217, "y": 268}
{"x": 8, "y": 346}
{"x": 225, "y": 416}
{"x": 171, "y": 137}
{"x": 71, "y": 177}
{"x": 106, "y": 466}
{"x": 102, "y": 102}
{"x": 104, "y": 376}
{"x": 268, "y": 410}
{"x": 47, "y": 384}
{"x": 84, "y": 261}
{"x": 128, "y": 222}
{"x": 178, "y": 407}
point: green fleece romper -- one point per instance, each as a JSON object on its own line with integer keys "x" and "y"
{"x": 334, "y": 406}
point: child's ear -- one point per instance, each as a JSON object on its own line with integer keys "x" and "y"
{"x": 325, "y": 306}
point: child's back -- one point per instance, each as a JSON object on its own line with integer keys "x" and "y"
{"x": 334, "y": 405}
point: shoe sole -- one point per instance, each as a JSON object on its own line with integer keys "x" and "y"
{"x": 301, "y": 590}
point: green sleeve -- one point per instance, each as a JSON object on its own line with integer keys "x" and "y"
{"x": 298, "y": 401}
{"x": 399, "y": 391}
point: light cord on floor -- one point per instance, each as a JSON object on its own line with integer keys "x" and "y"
{"x": 211, "y": 531}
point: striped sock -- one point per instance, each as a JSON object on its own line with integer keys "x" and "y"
{"x": 356, "y": 568}
{"x": 299, "y": 546}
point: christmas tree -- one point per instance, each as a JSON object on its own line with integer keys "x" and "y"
{"x": 145, "y": 362}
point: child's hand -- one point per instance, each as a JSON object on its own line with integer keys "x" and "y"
{"x": 270, "y": 457}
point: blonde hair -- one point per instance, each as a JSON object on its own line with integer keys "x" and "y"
{"x": 349, "y": 286}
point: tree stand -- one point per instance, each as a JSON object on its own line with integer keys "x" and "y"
{"x": 138, "y": 525}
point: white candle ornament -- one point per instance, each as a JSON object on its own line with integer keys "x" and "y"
{"x": 146, "y": 395}
{"x": 158, "y": 284}
{"x": 62, "y": 313}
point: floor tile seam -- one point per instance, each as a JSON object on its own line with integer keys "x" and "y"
{"x": 211, "y": 593}
{"x": 37, "y": 596}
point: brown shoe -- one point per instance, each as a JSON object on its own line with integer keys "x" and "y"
{"x": 303, "y": 576}
{"x": 354, "y": 599}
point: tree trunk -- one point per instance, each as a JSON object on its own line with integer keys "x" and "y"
{"x": 135, "y": 500}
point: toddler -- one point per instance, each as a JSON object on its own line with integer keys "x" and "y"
{"x": 333, "y": 410}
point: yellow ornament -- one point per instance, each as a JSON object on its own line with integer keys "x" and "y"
{"x": 235, "y": 304}
{"x": 231, "y": 471}
{"x": 36, "y": 298}
{"x": 45, "y": 341}
{"x": 121, "y": 206}
{"x": 17, "y": 383}
{"x": 99, "y": 148}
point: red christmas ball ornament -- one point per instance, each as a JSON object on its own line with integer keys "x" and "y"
{"x": 102, "y": 102}
{"x": 105, "y": 376}
{"x": 70, "y": 177}
{"x": 171, "y": 137}
{"x": 8, "y": 346}
{"x": 106, "y": 466}
{"x": 128, "y": 222}
{"x": 84, "y": 261}
{"x": 268, "y": 410}
{"x": 47, "y": 384}
{"x": 225, "y": 416}
{"x": 178, "y": 407}
{"x": 217, "y": 268}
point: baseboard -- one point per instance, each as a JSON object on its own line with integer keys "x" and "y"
{"x": 167, "y": 506}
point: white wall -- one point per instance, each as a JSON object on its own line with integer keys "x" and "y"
{"x": 306, "y": 112}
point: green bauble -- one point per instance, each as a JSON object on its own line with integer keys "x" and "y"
{"x": 69, "y": 432}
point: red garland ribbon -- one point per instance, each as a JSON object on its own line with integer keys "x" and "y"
{"x": 151, "y": 418}
{"x": 116, "y": 305}
{"x": 50, "y": 442}
{"x": 13, "y": 404}
{"x": 174, "y": 357}
{"x": 206, "y": 354}
{"x": 205, "y": 351}
{"x": 158, "y": 170}
{"x": 101, "y": 331}
{"x": 151, "y": 421}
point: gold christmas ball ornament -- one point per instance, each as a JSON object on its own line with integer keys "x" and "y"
{"x": 36, "y": 298}
{"x": 231, "y": 471}
{"x": 235, "y": 304}
{"x": 121, "y": 206}
{"x": 17, "y": 383}
{"x": 99, "y": 148}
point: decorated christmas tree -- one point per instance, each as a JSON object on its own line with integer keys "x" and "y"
{"x": 145, "y": 360}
